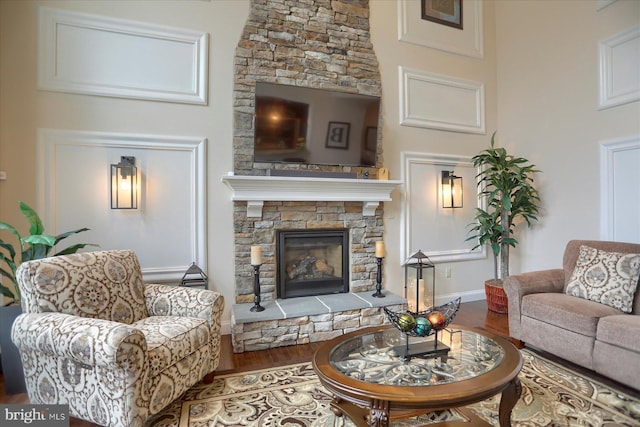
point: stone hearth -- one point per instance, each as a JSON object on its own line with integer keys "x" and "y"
{"x": 308, "y": 319}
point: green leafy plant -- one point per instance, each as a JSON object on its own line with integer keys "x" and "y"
{"x": 506, "y": 182}
{"x": 35, "y": 246}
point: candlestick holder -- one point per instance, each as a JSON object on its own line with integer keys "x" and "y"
{"x": 256, "y": 289}
{"x": 379, "y": 294}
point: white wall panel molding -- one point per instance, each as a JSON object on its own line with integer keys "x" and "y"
{"x": 468, "y": 41}
{"x": 168, "y": 231}
{"x": 620, "y": 68}
{"x": 98, "y": 55}
{"x": 439, "y": 232}
{"x": 441, "y": 102}
{"x": 619, "y": 189}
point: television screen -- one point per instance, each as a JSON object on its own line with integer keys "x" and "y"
{"x": 316, "y": 126}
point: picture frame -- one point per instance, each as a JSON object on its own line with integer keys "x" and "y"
{"x": 371, "y": 140}
{"x": 338, "y": 135}
{"x": 445, "y": 12}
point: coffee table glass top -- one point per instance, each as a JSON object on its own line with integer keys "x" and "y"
{"x": 373, "y": 357}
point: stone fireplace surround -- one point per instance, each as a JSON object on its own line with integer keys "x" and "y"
{"x": 318, "y": 44}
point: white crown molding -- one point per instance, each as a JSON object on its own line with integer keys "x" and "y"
{"x": 97, "y": 55}
{"x": 49, "y": 140}
{"x": 423, "y": 95}
{"x": 619, "y": 64}
{"x": 255, "y": 190}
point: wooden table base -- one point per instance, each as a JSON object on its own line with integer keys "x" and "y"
{"x": 379, "y": 415}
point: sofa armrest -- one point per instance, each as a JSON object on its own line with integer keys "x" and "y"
{"x": 167, "y": 300}
{"x": 87, "y": 341}
{"x": 519, "y": 285}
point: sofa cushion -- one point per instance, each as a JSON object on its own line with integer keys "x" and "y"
{"x": 567, "y": 312}
{"x": 172, "y": 338}
{"x": 621, "y": 331}
{"x": 609, "y": 278}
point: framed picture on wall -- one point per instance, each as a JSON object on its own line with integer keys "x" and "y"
{"x": 338, "y": 135}
{"x": 445, "y": 12}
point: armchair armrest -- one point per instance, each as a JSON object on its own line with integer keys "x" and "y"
{"x": 519, "y": 285}
{"x": 90, "y": 342}
{"x": 167, "y": 300}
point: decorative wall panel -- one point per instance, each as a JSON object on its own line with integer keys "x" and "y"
{"x": 440, "y": 102}
{"x": 97, "y": 55}
{"x": 620, "y": 68}
{"x": 468, "y": 41}
{"x": 439, "y": 232}
{"x": 167, "y": 231}
{"x": 619, "y": 189}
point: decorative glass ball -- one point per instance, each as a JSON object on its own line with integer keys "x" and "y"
{"x": 437, "y": 320}
{"x": 423, "y": 326}
{"x": 406, "y": 322}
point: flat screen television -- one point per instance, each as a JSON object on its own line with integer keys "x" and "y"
{"x": 315, "y": 126}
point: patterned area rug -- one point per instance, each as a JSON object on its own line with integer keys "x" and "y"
{"x": 291, "y": 396}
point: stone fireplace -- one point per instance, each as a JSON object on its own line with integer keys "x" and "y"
{"x": 322, "y": 44}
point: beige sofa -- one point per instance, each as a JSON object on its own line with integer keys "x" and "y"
{"x": 116, "y": 350}
{"x": 598, "y": 336}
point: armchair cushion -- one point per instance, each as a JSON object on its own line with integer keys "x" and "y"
{"x": 90, "y": 285}
{"x": 606, "y": 277}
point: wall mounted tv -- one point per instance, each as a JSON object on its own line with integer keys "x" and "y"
{"x": 316, "y": 126}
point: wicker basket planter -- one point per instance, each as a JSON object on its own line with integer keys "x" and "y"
{"x": 496, "y": 297}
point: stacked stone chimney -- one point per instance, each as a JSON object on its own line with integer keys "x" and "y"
{"x": 310, "y": 43}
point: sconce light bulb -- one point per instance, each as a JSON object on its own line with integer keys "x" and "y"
{"x": 125, "y": 185}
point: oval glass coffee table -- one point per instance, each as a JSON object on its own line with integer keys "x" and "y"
{"x": 372, "y": 384}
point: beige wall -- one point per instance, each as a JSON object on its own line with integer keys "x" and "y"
{"x": 548, "y": 112}
{"x": 540, "y": 75}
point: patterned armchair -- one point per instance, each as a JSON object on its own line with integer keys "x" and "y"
{"x": 116, "y": 350}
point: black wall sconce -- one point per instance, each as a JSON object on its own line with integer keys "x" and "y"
{"x": 124, "y": 184}
{"x": 451, "y": 190}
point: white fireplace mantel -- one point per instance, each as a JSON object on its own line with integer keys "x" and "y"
{"x": 255, "y": 190}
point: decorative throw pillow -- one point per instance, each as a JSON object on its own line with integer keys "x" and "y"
{"x": 609, "y": 278}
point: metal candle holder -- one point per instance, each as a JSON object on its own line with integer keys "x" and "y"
{"x": 256, "y": 289}
{"x": 379, "y": 294}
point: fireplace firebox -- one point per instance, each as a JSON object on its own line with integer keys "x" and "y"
{"x": 312, "y": 262}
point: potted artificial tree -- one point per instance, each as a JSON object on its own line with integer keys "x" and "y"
{"x": 506, "y": 183}
{"x": 35, "y": 246}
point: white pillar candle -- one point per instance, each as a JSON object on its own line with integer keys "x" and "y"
{"x": 256, "y": 255}
{"x": 379, "y": 249}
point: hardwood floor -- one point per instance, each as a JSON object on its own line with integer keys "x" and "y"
{"x": 470, "y": 314}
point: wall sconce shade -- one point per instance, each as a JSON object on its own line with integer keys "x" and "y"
{"x": 451, "y": 190}
{"x": 124, "y": 184}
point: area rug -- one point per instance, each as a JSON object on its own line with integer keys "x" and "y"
{"x": 292, "y": 396}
